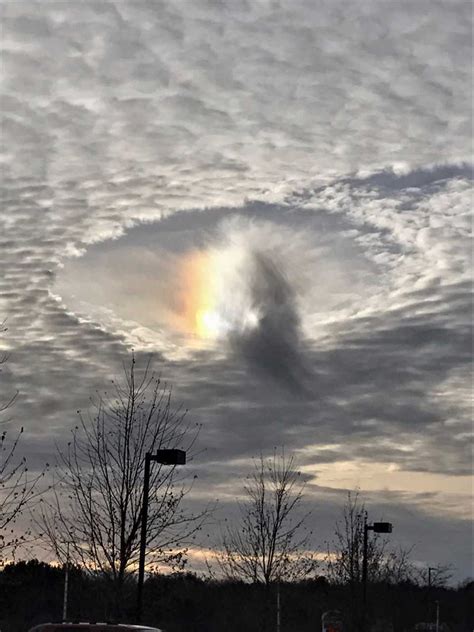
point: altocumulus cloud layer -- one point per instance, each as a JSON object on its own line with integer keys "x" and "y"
{"x": 330, "y": 142}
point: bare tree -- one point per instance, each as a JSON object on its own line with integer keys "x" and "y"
{"x": 96, "y": 510}
{"x": 17, "y": 486}
{"x": 345, "y": 557}
{"x": 270, "y": 542}
{"x": 346, "y": 553}
{"x": 4, "y": 405}
{"x": 15, "y": 491}
{"x": 398, "y": 566}
{"x": 344, "y": 560}
{"x": 434, "y": 576}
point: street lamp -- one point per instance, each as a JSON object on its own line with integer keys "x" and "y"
{"x": 376, "y": 527}
{"x": 165, "y": 457}
{"x": 430, "y": 568}
{"x": 66, "y": 584}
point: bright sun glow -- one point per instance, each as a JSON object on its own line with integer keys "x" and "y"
{"x": 213, "y": 294}
{"x": 208, "y": 323}
{"x": 198, "y": 298}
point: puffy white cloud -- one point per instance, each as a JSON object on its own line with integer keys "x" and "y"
{"x": 338, "y": 131}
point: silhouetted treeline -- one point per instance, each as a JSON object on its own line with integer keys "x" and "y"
{"x": 32, "y": 592}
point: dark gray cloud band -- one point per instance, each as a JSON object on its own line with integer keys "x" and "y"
{"x": 274, "y": 346}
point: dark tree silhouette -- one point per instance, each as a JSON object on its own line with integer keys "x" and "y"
{"x": 17, "y": 486}
{"x": 345, "y": 558}
{"x": 31, "y": 593}
{"x": 96, "y": 510}
{"x": 8, "y": 401}
{"x": 436, "y": 576}
{"x": 16, "y": 489}
{"x": 269, "y": 544}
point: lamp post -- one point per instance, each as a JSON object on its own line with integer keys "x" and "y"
{"x": 430, "y": 568}
{"x": 66, "y": 585}
{"x": 165, "y": 457}
{"x": 376, "y": 527}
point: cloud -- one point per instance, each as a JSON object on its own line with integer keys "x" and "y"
{"x": 274, "y": 344}
{"x": 133, "y": 129}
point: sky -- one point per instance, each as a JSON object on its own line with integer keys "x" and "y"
{"x": 272, "y": 198}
